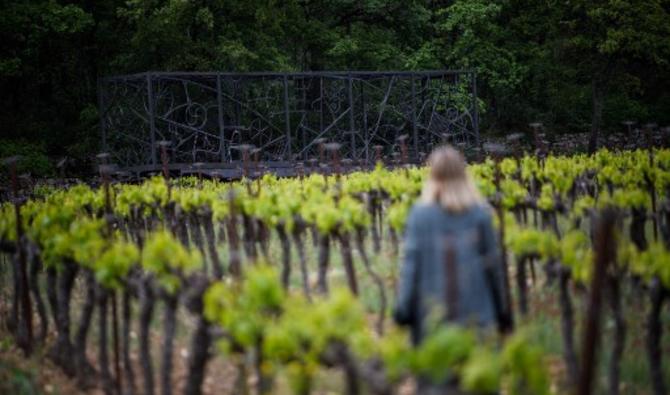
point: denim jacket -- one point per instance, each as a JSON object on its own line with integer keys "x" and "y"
{"x": 429, "y": 232}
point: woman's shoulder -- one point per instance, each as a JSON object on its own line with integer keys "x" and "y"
{"x": 421, "y": 210}
{"x": 480, "y": 211}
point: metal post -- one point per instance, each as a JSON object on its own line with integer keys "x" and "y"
{"x": 320, "y": 104}
{"x": 415, "y": 134}
{"x": 152, "y": 123}
{"x": 304, "y": 118}
{"x": 101, "y": 114}
{"x": 366, "y": 133}
{"x": 351, "y": 117}
{"x": 475, "y": 109}
{"x": 238, "y": 108}
{"x": 219, "y": 101}
{"x": 287, "y": 120}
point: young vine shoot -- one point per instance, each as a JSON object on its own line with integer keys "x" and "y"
{"x": 293, "y": 277}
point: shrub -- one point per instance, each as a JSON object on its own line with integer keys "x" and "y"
{"x": 33, "y": 156}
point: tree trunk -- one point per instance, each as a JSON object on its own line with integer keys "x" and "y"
{"x": 221, "y": 236}
{"x": 63, "y": 348}
{"x": 285, "y": 255}
{"x": 300, "y": 246}
{"x": 263, "y": 239}
{"x": 198, "y": 239}
{"x": 360, "y": 243}
{"x": 324, "y": 258}
{"x": 522, "y": 285}
{"x": 115, "y": 342}
{"x": 146, "y": 312}
{"x": 619, "y": 340}
{"x": 351, "y": 373}
{"x": 394, "y": 242}
{"x": 567, "y": 328}
{"x": 182, "y": 228}
{"x": 348, "y": 261}
{"x": 84, "y": 368}
{"x": 249, "y": 238}
{"x": 199, "y": 356}
{"x": 35, "y": 267}
{"x": 654, "y": 333}
{"x": 234, "y": 266}
{"x": 201, "y": 339}
{"x": 127, "y": 363}
{"x": 103, "y": 355}
{"x": 263, "y": 380}
{"x": 52, "y": 298}
{"x": 372, "y": 209}
{"x": 13, "y": 320}
{"x": 208, "y": 224}
{"x": 637, "y": 228}
{"x": 169, "y": 326}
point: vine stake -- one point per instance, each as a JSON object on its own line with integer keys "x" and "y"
{"x": 604, "y": 249}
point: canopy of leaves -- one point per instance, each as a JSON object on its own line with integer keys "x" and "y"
{"x": 536, "y": 60}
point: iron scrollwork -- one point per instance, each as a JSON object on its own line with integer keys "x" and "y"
{"x": 206, "y": 116}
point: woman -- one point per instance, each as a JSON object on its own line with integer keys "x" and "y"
{"x": 451, "y": 261}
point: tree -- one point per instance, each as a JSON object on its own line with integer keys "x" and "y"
{"x": 614, "y": 42}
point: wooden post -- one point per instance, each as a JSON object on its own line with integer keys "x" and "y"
{"x": 604, "y": 254}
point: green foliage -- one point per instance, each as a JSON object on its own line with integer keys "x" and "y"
{"x": 525, "y": 242}
{"x": 482, "y": 372}
{"x": 34, "y": 159}
{"x": 167, "y": 259}
{"x": 245, "y": 309}
{"x": 535, "y": 60}
{"x": 524, "y": 366}
{"x": 653, "y": 262}
{"x": 474, "y": 38}
{"x": 576, "y": 253}
{"x": 115, "y": 263}
{"x": 444, "y": 352}
{"x": 17, "y": 380}
{"x": 294, "y": 335}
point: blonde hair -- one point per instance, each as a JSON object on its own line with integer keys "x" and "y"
{"x": 449, "y": 183}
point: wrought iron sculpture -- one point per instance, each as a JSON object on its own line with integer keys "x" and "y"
{"x": 215, "y": 118}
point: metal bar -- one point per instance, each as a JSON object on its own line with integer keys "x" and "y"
{"x": 366, "y": 134}
{"x": 287, "y": 120}
{"x": 475, "y": 109}
{"x": 222, "y": 136}
{"x": 332, "y": 74}
{"x": 320, "y": 104}
{"x": 101, "y": 111}
{"x": 351, "y": 117}
{"x": 415, "y": 134}
{"x": 303, "y": 132}
{"x": 152, "y": 123}
{"x": 238, "y": 105}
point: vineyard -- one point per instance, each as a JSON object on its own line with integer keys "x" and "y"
{"x": 291, "y": 280}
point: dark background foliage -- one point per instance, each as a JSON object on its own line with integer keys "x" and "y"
{"x": 576, "y": 65}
